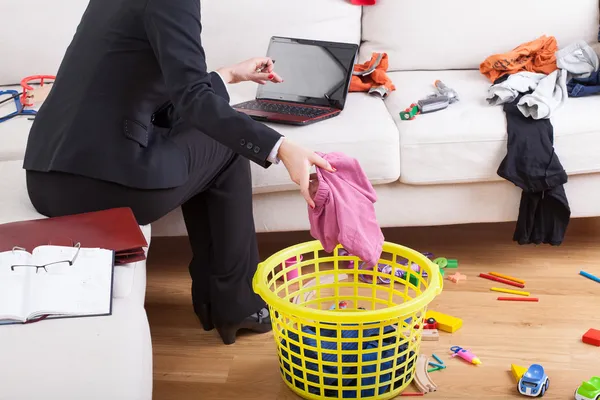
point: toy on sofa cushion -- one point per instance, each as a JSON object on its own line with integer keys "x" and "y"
{"x": 534, "y": 382}
{"x": 589, "y": 390}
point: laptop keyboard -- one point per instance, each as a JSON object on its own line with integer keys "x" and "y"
{"x": 283, "y": 108}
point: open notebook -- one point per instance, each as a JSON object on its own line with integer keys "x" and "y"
{"x": 55, "y": 282}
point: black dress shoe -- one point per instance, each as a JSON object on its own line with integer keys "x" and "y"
{"x": 259, "y": 322}
{"x": 205, "y": 316}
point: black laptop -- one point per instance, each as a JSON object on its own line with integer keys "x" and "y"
{"x": 316, "y": 78}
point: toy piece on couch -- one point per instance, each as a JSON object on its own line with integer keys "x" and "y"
{"x": 440, "y": 100}
{"x": 371, "y": 76}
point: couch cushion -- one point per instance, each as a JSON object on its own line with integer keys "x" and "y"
{"x": 49, "y": 33}
{"x": 460, "y": 34}
{"x": 79, "y": 358}
{"x": 235, "y": 30}
{"x": 364, "y": 130}
{"x": 129, "y": 280}
{"x": 467, "y": 141}
{"x": 14, "y": 132}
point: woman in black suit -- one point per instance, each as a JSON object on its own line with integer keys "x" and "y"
{"x": 135, "y": 119}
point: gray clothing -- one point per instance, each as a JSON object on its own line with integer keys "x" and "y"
{"x": 549, "y": 95}
{"x": 578, "y": 59}
{"x": 508, "y": 90}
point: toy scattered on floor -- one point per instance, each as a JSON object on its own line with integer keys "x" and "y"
{"x": 517, "y": 372}
{"x": 440, "y": 100}
{"x": 436, "y": 366}
{"x": 507, "y": 277}
{"x": 589, "y": 390}
{"x": 509, "y": 291}
{"x": 465, "y": 354}
{"x": 592, "y": 337}
{"x": 589, "y": 276}
{"x": 527, "y": 299}
{"x": 501, "y": 280}
{"x": 422, "y": 379}
{"x": 446, "y": 323}
{"x": 456, "y": 277}
{"x": 412, "y": 394}
{"x": 534, "y": 381}
{"x": 430, "y": 335}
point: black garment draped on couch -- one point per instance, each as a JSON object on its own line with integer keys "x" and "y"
{"x": 532, "y": 165}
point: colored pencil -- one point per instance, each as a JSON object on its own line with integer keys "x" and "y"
{"x": 501, "y": 280}
{"x": 412, "y": 394}
{"x": 437, "y": 358}
{"x": 532, "y": 299}
{"x": 509, "y": 291}
{"x": 508, "y": 277}
{"x": 589, "y": 276}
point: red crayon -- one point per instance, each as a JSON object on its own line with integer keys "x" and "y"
{"x": 501, "y": 280}
{"x": 412, "y": 394}
{"x": 534, "y": 299}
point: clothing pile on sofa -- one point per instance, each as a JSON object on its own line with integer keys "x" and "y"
{"x": 532, "y": 82}
{"x": 329, "y": 354}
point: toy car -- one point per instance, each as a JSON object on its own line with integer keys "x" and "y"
{"x": 534, "y": 382}
{"x": 430, "y": 323}
{"x": 589, "y": 390}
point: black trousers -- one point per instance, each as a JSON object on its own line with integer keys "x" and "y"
{"x": 217, "y": 209}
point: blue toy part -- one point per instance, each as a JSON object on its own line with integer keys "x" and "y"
{"x": 20, "y": 110}
{"x": 534, "y": 382}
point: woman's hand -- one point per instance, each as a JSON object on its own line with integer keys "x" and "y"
{"x": 298, "y": 162}
{"x": 259, "y": 70}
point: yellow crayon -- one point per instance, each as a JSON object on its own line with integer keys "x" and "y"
{"x": 510, "y": 278}
{"x": 517, "y": 292}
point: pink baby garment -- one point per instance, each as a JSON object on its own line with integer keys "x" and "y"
{"x": 344, "y": 212}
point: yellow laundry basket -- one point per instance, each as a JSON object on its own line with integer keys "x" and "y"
{"x": 343, "y": 330}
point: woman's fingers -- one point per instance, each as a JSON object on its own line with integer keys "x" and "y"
{"x": 322, "y": 163}
{"x": 304, "y": 185}
{"x": 267, "y": 76}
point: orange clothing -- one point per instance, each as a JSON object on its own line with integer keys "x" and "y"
{"x": 539, "y": 55}
{"x": 375, "y": 81}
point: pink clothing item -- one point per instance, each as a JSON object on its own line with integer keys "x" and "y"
{"x": 344, "y": 212}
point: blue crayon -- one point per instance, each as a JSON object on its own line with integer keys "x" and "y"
{"x": 589, "y": 276}
{"x": 437, "y": 359}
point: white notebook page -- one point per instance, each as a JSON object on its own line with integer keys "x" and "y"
{"x": 85, "y": 288}
{"x": 13, "y": 284}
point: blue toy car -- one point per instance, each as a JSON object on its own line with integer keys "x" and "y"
{"x": 534, "y": 382}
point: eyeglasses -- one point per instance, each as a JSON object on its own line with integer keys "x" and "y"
{"x": 52, "y": 264}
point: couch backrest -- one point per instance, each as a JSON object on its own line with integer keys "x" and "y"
{"x": 35, "y": 34}
{"x": 460, "y": 34}
{"x": 235, "y": 30}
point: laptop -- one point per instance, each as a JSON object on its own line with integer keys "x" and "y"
{"x": 316, "y": 78}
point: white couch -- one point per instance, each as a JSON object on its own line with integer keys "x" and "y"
{"x": 437, "y": 169}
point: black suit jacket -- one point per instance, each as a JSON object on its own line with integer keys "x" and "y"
{"x": 134, "y": 69}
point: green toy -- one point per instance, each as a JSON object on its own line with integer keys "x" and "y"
{"x": 589, "y": 390}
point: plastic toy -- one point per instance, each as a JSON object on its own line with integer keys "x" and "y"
{"x": 505, "y": 281}
{"x": 465, "y": 354}
{"x": 507, "y": 277}
{"x": 517, "y": 372}
{"x": 534, "y": 382}
{"x": 456, "y": 277}
{"x": 530, "y": 299}
{"x": 446, "y": 323}
{"x": 440, "y": 100}
{"x": 592, "y": 337}
{"x": 444, "y": 90}
{"x": 509, "y": 291}
{"x": 291, "y": 273}
{"x": 589, "y": 390}
{"x": 589, "y": 276}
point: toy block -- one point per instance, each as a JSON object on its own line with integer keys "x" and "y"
{"x": 517, "y": 371}
{"x": 446, "y": 323}
{"x": 430, "y": 335}
{"x": 592, "y": 337}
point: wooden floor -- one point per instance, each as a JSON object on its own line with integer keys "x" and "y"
{"x": 192, "y": 364}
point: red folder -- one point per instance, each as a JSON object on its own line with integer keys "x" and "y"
{"x": 114, "y": 229}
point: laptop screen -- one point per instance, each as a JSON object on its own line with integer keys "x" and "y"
{"x": 313, "y": 72}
